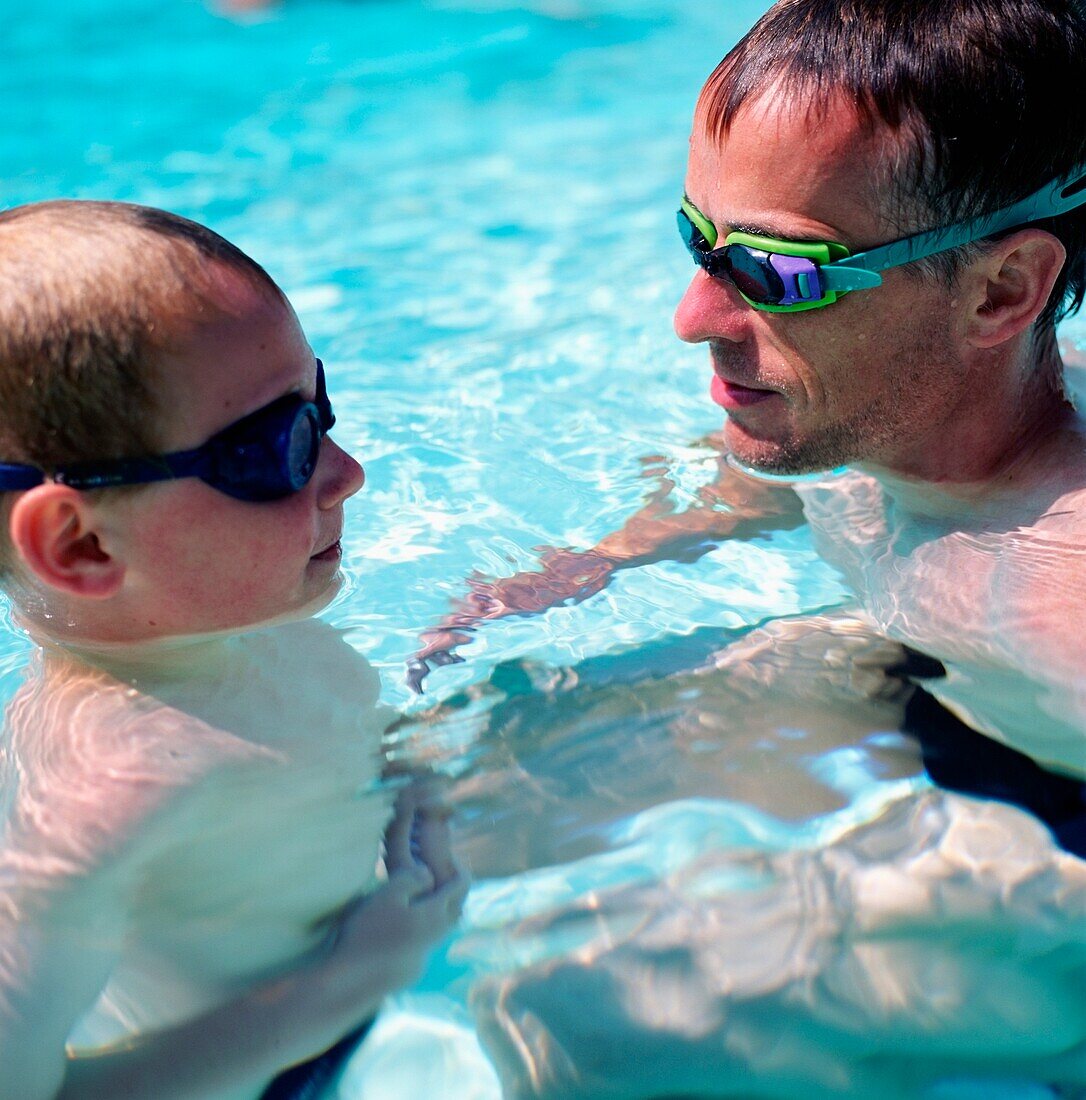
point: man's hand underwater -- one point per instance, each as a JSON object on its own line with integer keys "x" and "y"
{"x": 566, "y": 576}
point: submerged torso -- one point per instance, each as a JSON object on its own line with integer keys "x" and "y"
{"x": 236, "y": 796}
{"x": 991, "y": 593}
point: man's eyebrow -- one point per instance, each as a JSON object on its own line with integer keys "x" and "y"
{"x": 761, "y": 229}
{"x": 776, "y": 232}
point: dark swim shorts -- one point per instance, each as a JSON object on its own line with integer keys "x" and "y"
{"x": 305, "y": 1080}
{"x": 958, "y": 758}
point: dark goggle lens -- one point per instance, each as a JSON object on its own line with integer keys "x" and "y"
{"x": 753, "y": 275}
{"x": 748, "y": 268}
{"x": 303, "y": 447}
{"x": 692, "y": 236}
{"x": 271, "y": 454}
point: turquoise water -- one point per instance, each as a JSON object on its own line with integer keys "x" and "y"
{"x": 471, "y": 207}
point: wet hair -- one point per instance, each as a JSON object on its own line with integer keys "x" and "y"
{"x": 982, "y": 95}
{"x": 87, "y": 294}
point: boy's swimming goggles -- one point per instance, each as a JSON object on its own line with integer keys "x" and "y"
{"x": 266, "y": 455}
{"x": 789, "y": 276}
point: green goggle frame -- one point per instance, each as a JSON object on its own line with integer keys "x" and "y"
{"x": 778, "y": 276}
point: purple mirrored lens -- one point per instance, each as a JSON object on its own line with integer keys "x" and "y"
{"x": 765, "y": 278}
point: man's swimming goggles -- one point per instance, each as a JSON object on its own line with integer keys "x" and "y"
{"x": 789, "y": 276}
{"x": 266, "y": 455}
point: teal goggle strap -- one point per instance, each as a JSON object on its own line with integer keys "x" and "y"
{"x": 859, "y": 272}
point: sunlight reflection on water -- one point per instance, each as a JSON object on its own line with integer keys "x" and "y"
{"x": 471, "y": 206}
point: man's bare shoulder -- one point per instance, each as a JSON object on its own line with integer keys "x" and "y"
{"x": 1035, "y": 603}
{"x": 1041, "y": 581}
{"x": 1055, "y": 501}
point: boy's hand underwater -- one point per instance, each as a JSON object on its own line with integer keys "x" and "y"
{"x": 419, "y": 835}
{"x": 382, "y": 942}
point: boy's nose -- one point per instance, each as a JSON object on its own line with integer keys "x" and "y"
{"x": 711, "y": 309}
{"x": 339, "y": 474}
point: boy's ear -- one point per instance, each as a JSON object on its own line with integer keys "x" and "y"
{"x": 1012, "y": 284}
{"x": 52, "y": 528}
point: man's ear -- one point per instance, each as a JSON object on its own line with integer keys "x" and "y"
{"x": 1011, "y": 285}
{"x": 53, "y": 530}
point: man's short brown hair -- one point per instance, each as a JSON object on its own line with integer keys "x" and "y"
{"x": 984, "y": 94}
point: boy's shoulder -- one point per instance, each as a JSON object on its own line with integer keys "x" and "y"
{"x": 93, "y": 783}
{"x": 92, "y": 770}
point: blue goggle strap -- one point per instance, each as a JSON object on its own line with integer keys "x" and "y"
{"x": 15, "y": 477}
{"x": 218, "y": 462}
{"x": 105, "y": 475}
{"x": 204, "y": 462}
{"x": 859, "y": 272}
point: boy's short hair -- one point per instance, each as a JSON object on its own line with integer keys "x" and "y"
{"x": 982, "y": 92}
{"x": 86, "y": 293}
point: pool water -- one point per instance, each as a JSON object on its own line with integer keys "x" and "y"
{"x": 471, "y": 206}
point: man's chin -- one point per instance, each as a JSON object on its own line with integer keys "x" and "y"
{"x": 772, "y": 457}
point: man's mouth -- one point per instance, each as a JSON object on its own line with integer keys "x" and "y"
{"x": 731, "y": 395}
{"x": 329, "y": 553}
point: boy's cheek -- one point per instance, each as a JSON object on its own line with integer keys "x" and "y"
{"x": 219, "y": 563}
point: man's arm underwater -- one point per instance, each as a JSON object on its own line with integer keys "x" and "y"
{"x": 733, "y": 505}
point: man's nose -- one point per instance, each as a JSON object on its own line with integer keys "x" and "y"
{"x": 711, "y": 309}
{"x": 340, "y": 475}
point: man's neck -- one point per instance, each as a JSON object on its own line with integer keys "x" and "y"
{"x": 991, "y": 445}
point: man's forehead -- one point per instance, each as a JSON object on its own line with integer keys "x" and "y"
{"x": 793, "y": 168}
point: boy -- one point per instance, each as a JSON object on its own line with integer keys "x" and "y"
{"x": 191, "y": 815}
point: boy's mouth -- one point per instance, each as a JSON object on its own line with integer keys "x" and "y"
{"x": 330, "y": 553}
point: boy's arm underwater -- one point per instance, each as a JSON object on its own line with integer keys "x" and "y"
{"x": 376, "y": 946}
{"x": 733, "y": 505}
{"x": 48, "y": 977}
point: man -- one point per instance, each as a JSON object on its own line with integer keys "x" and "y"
{"x": 833, "y": 128}
{"x": 930, "y": 945}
